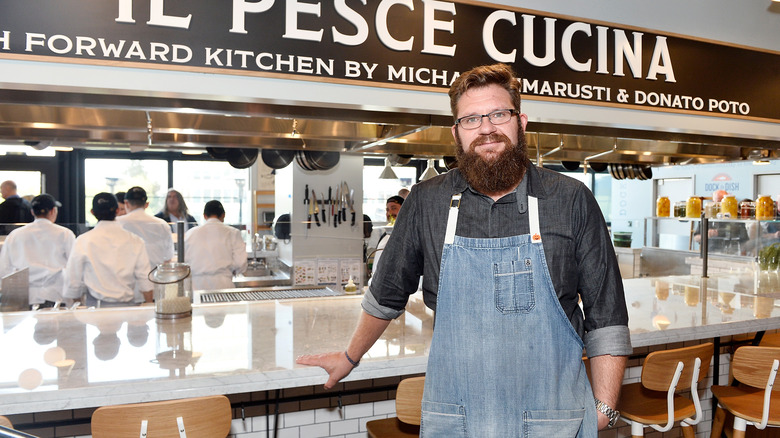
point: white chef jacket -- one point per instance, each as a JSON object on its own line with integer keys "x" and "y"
{"x": 110, "y": 262}
{"x": 215, "y": 252}
{"x": 153, "y": 230}
{"x": 43, "y": 247}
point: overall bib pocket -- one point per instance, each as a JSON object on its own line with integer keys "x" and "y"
{"x": 443, "y": 420}
{"x": 514, "y": 290}
{"x": 557, "y": 423}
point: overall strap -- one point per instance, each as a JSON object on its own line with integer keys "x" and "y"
{"x": 452, "y": 219}
{"x": 533, "y": 219}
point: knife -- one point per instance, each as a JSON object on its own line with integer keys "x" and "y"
{"x": 324, "y": 215}
{"x": 316, "y": 207}
{"x": 352, "y": 205}
{"x": 344, "y": 192}
{"x": 305, "y": 202}
{"x": 335, "y": 208}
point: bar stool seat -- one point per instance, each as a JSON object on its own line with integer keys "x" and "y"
{"x": 408, "y": 406}
{"x": 654, "y": 401}
{"x": 4, "y": 421}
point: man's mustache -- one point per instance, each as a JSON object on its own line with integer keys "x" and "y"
{"x": 494, "y": 137}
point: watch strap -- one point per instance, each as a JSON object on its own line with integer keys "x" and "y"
{"x": 610, "y": 413}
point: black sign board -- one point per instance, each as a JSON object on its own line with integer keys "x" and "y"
{"x": 402, "y": 44}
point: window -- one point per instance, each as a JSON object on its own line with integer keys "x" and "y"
{"x": 118, "y": 175}
{"x": 202, "y": 181}
{"x": 28, "y": 183}
{"x": 376, "y": 191}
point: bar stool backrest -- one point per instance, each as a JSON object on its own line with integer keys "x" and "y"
{"x": 4, "y": 421}
{"x": 753, "y": 365}
{"x": 408, "y": 400}
{"x": 658, "y": 370}
{"x": 202, "y": 417}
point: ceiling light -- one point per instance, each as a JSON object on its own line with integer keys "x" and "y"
{"x": 192, "y": 152}
{"x": 430, "y": 172}
{"x": 761, "y": 162}
{"x": 387, "y": 172}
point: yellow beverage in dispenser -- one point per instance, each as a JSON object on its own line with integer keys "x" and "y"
{"x": 663, "y": 207}
{"x": 693, "y": 207}
{"x": 729, "y": 207}
{"x": 765, "y": 208}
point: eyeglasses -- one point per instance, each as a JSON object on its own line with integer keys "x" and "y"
{"x": 497, "y": 117}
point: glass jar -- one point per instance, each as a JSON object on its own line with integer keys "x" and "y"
{"x": 172, "y": 290}
{"x": 693, "y": 207}
{"x": 711, "y": 208}
{"x": 679, "y": 209}
{"x": 729, "y": 208}
{"x": 765, "y": 208}
{"x": 747, "y": 210}
{"x": 663, "y": 207}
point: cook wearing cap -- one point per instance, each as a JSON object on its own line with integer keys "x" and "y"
{"x": 215, "y": 251}
{"x": 155, "y": 232}
{"x": 108, "y": 263}
{"x": 43, "y": 247}
{"x": 43, "y": 204}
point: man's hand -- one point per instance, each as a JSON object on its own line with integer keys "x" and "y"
{"x": 335, "y": 364}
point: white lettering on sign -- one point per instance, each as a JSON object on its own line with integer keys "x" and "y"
{"x": 266, "y": 61}
{"x": 355, "y": 19}
{"x": 241, "y": 8}
{"x": 291, "y": 29}
{"x": 567, "y": 90}
{"x": 353, "y": 69}
{"x": 382, "y": 30}
{"x": 668, "y": 100}
{"x": 425, "y": 76}
{"x": 157, "y": 15}
{"x": 5, "y": 40}
{"x": 91, "y": 47}
{"x": 729, "y": 107}
{"x": 431, "y": 25}
{"x": 625, "y": 52}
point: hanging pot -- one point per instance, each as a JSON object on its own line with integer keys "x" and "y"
{"x": 242, "y": 158}
{"x": 570, "y": 165}
{"x": 277, "y": 158}
{"x": 218, "y": 153}
{"x": 598, "y": 167}
{"x": 319, "y": 160}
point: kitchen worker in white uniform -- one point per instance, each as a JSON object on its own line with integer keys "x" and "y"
{"x": 108, "y": 263}
{"x": 215, "y": 251}
{"x": 43, "y": 247}
{"x": 155, "y": 232}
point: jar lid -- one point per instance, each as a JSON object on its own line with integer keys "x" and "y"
{"x": 169, "y": 272}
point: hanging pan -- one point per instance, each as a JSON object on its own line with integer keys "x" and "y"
{"x": 277, "y": 158}
{"x": 320, "y": 160}
{"x": 242, "y": 158}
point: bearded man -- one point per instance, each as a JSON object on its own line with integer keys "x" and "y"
{"x": 506, "y": 250}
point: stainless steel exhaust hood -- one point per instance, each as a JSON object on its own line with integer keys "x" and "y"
{"x": 122, "y": 122}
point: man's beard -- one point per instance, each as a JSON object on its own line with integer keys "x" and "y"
{"x": 494, "y": 176}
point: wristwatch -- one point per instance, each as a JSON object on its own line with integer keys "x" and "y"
{"x": 612, "y": 414}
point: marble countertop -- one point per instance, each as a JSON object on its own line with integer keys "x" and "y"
{"x": 82, "y": 358}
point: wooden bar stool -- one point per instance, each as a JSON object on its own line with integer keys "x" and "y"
{"x": 654, "y": 401}
{"x": 4, "y": 421}
{"x": 408, "y": 404}
{"x": 199, "y": 417}
{"x": 755, "y": 401}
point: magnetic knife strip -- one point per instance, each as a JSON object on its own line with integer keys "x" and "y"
{"x": 232, "y": 297}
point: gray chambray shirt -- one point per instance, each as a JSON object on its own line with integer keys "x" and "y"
{"x": 577, "y": 248}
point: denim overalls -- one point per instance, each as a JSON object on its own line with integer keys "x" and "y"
{"x": 505, "y": 361}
